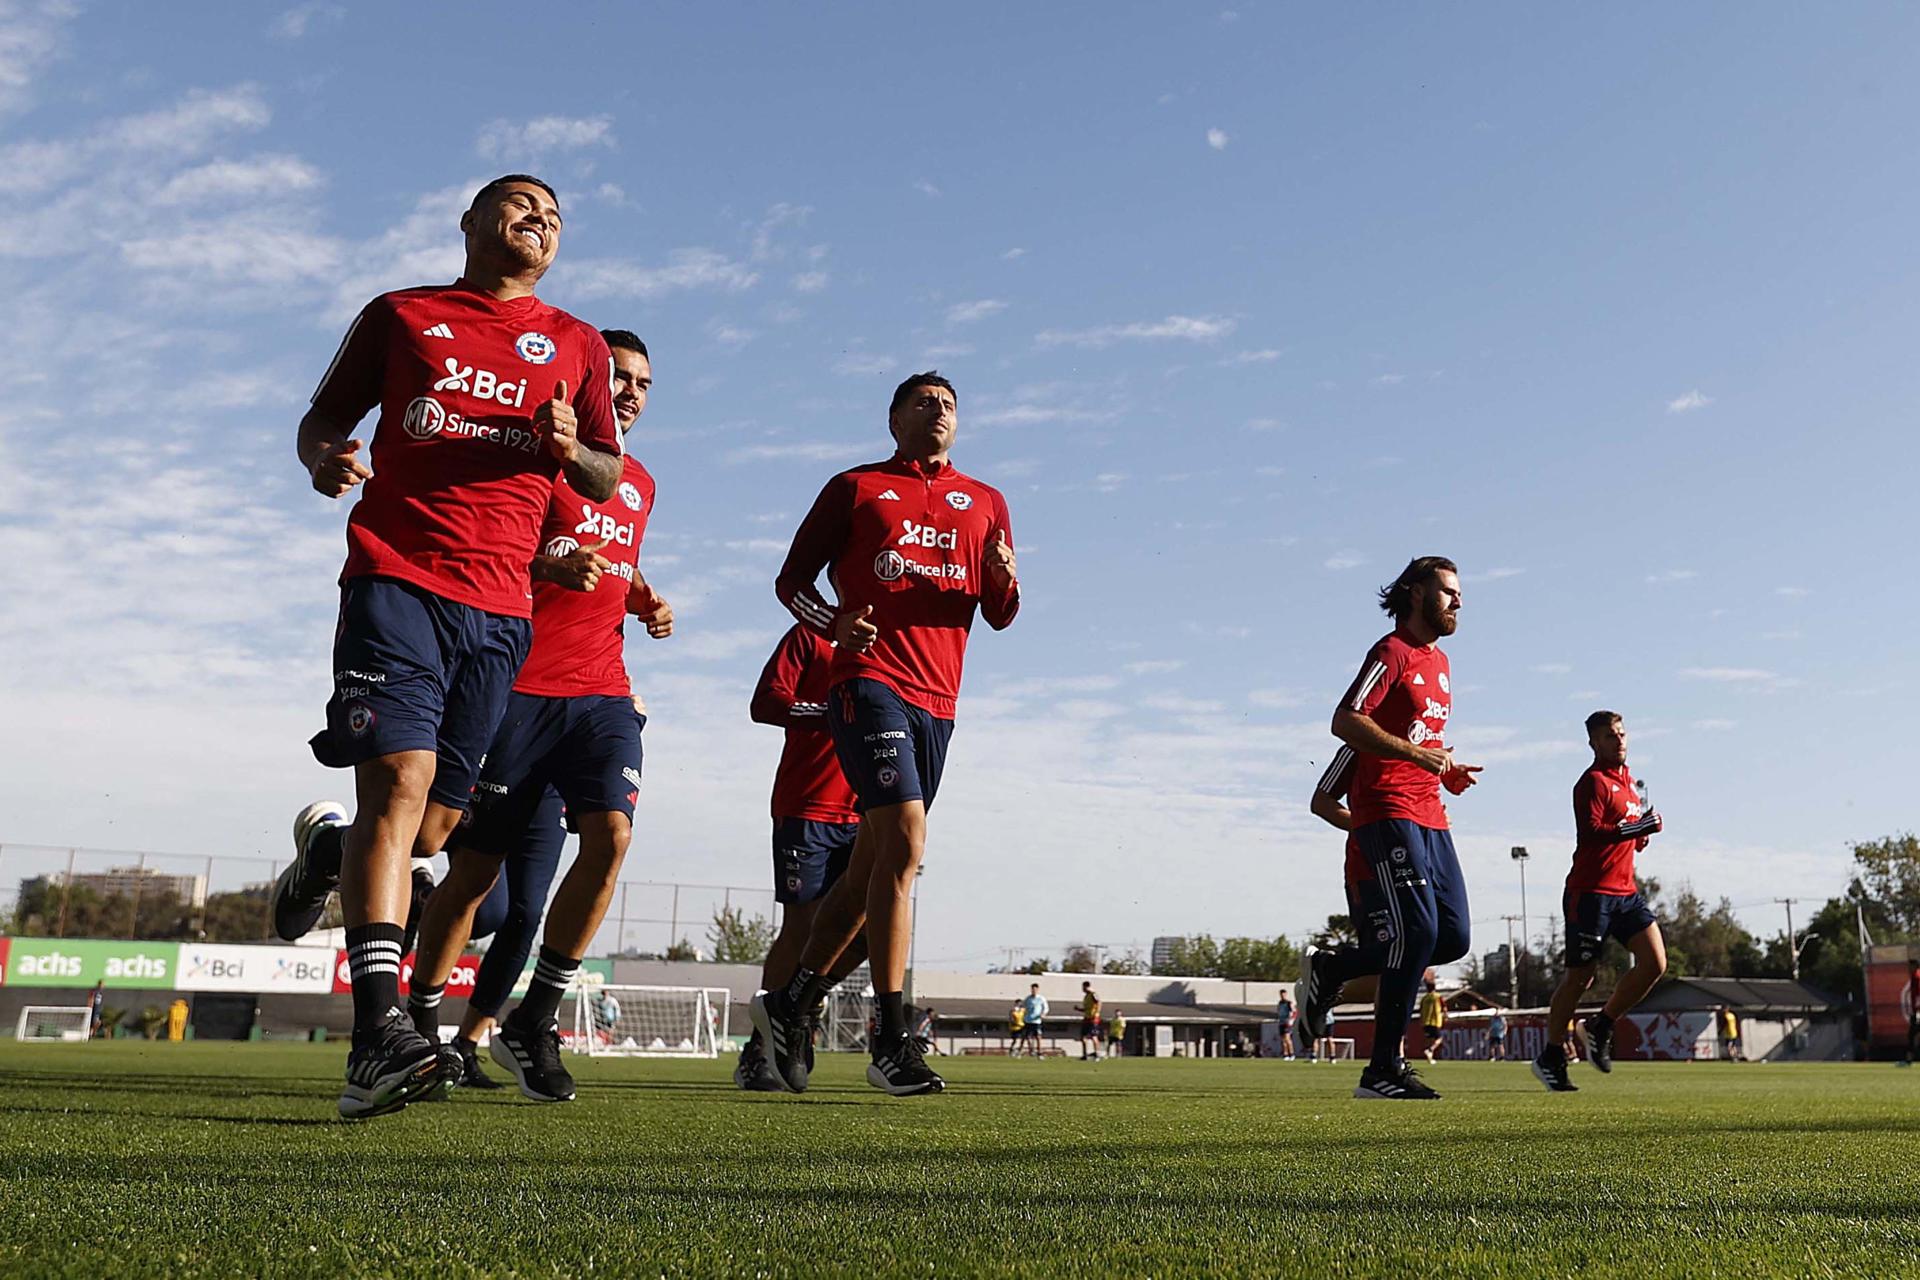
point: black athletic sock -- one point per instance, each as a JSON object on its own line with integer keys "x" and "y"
{"x": 373, "y": 960}
{"x": 1553, "y": 1053}
{"x": 892, "y": 1008}
{"x": 467, "y": 1047}
{"x": 1392, "y": 1008}
{"x": 422, "y": 999}
{"x": 553, "y": 973}
{"x": 806, "y": 990}
{"x": 1601, "y": 1022}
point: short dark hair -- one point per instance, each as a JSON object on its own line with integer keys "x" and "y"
{"x": 626, "y": 339}
{"x": 1601, "y": 719}
{"x": 931, "y": 378}
{"x": 1397, "y": 596}
{"x": 505, "y": 180}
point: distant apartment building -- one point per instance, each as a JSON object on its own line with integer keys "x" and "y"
{"x": 147, "y": 883}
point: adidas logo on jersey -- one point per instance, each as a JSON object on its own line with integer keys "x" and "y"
{"x": 437, "y": 331}
{"x": 888, "y": 496}
{"x": 1418, "y": 679}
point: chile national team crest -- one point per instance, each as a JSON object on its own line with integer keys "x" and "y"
{"x": 959, "y": 501}
{"x": 630, "y": 494}
{"x": 535, "y": 348}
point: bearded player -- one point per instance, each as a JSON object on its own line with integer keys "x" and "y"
{"x": 1602, "y": 900}
{"x": 1395, "y": 717}
{"x": 485, "y": 395}
{"x": 913, "y": 548}
{"x": 571, "y": 730}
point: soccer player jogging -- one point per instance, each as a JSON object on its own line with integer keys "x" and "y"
{"x": 1328, "y": 973}
{"x": 1611, "y": 823}
{"x": 571, "y": 734}
{"x": 485, "y": 395}
{"x": 815, "y": 823}
{"x": 1433, "y": 1020}
{"x": 913, "y": 548}
{"x": 1395, "y": 716}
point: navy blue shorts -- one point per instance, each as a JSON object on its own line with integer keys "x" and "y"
{"x": 413, "y": 671}
{"x": 585, "y": 748}
{"x": 1420, "y": 880}
{"x": 1372, "y": 917}
{"x": 890, "y": 750}
{"x": 1592, "y": 918}
{"x": 809, "y": 856}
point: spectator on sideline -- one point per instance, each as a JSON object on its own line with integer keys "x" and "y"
{"x": 1036, "y": 1008}
{"x": 1284, "y": 1013}
{"x": 1016, "y": 1027}
{"x": 1117, "y": 1035}
{"x": 1089, "y": 1023}
{"x": 96, "y": 1009}
{"x": 1730, "y": 1034}
{"x": 1433, "y": 1019}
{"x": 1497, "y": 1037}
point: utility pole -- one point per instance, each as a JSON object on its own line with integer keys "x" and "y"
{"x": 1792, "y": 949}
{"x": 1520, "y": 855}
{"x": 1513, "y": 971}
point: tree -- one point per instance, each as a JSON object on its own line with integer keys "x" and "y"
{"x": 1888, "y": 872}
{"x": 1704, "y": 943}
{"x": 1129, "y": 965}
{"x": 1240, "y": 959}
{"x": 1338, "y": 932}
{"x": 682, "y": 950}
{"x": 1037, "y": 967}
{"x": 737, "y": 938}
{"x": 1080, "y": 959}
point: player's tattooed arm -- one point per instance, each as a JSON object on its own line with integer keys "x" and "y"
{"x": 330, "y": 454}
{"x": 592, "y": 473}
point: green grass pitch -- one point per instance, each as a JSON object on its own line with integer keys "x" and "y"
{"x": 226, "y": 1159}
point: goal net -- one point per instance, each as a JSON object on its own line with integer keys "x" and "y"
{"x": 50, "y": 1023}
{"x": 1337, "y": 1048}
{"x": 650, "y": 1022}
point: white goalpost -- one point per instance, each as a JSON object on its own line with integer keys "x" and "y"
{"x": 650, "y": 1022}
{"x": 53, "y": 1023}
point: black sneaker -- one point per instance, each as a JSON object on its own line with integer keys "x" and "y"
{"x": 533, "y": 1059}
{"x": 1550, "y": 1069}
{"x": 471, "y": 1076}
{"x": 452, "y": 1070}
{"x": 422, "y": 890}
{"x": 1401, "y": 1084}
{"x": 389, "y": 1069}
{"x": 753, "y": 1072}
{"x": 898, "y": 1068}
{"x": 300, "y": 892}
{"x": 1314, "y": 995}
{"x": 786, "y": 1036}
{"x": 1597, "y": 1032}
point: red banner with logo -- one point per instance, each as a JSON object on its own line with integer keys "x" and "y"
{"x": 1890, "y": 999}
{"x": 459, "y": 982}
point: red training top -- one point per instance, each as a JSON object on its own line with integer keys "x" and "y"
{"x": 911, "y": 542}
{"x": 461, "y": 475}
{"x": 1336, "y": 782}
{"x": 579, "y": 636}
{"x": 1406, "y": 689}
{"x": 1608, "y": 827}
{"x": 792, "y": 693}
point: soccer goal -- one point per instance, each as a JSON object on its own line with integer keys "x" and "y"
{"x": 651, "y": 1022}
{"x": 52, "y": 1023}
{"x": 1337, "y": 1048}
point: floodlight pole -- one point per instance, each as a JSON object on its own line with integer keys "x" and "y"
{"x": 1513, "y": 971}
{"x": 1520, "y": 855}
{"x": 1793, "y": 946}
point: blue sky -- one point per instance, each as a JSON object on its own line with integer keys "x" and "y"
{"x": 1245, "y": 308}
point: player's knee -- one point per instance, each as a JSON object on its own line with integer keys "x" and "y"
{"x": 396, "y": 781}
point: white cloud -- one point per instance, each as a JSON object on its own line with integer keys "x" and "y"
{"x": 1013, "y": 254}
{"x": 226, "y": 180}
{"x": 1793, "y": 593}
{"x": 1348, "y": 559}
{"x": 1673, "y": 575}
{"x": 302, "y": 18}
{"x": 30, "y": 36}
{"x": 1153, "y": 666}
{"x": 805, "y": 451}
{"x": 1178, "y": 328}
{"x": 1390, "y": 379}
{"x": 968, "y": 312}
{"x": 1550, "y": 668}
{"x": 1275, "y": 699}
{"x": 863, "y": 364}
{"x": 1217, "y": 139}
{"x": 199, "y": 118}
{"x": 1265, "y": 355}
{"x": 1495, "y": 574}
{"x": 1026, "y": 415}
{"x": 926, "y": 188}
{"x": 685, "y": 269}
{"x": 542, "y": 136}
{"x": 729, "y": 335}
{"x": 1743, "y": 677}
{"x": 1714, "y": 725}
{"x": 809, "y": 282}
{"x": 1688, "y": 402}
{"x": 1108, "y": 481}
